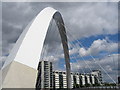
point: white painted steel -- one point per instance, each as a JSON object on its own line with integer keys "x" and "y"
{"x": 28, "y": 47}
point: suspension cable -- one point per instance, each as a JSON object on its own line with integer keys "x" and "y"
{"x": 94, "y": 59}
{"x": 43, "y": 49}
{"x": 83, "y": 60}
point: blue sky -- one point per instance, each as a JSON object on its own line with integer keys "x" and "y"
{"x": 89, "y": 40}
{"x": 95, "y": 25}
{"x": 101, "y": 55}
{"x": 86, "y": 42}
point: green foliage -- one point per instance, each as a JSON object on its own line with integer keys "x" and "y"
{"x": 109, "y": 84}
{"x": 94, "y": 85}
{"x": 76, "y": 85}
{"x": 82, "y": 86}
{"x": 87, "y": 85}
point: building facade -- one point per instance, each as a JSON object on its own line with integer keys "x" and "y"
{"x": 59, "y": 79}
{"x": 92, "y": 79}
{"x": 56, "y": 79}
{"x": 98, "y": 76}
{"x": 87, "y": 79}
{"x": 83, "y": 79}
{"x": 45, "y": 77}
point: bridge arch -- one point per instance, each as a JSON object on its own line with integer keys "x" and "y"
{"x": 29, "y": 46}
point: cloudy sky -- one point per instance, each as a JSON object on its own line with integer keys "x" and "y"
{"x": 92, "y": 29}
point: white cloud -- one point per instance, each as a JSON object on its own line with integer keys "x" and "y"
{"x": 109, "y": 63}
{"x": 98, "y": 46}
{"x": 89, "y": 19}
{"x": 73, "y": 51}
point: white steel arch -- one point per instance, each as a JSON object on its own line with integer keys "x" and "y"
{"x": 28, "y": 47}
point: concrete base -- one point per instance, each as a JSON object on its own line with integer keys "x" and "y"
{"x": 17, "y": 75}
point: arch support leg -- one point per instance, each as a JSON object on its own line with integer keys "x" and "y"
{"x": 59, "y": 21}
